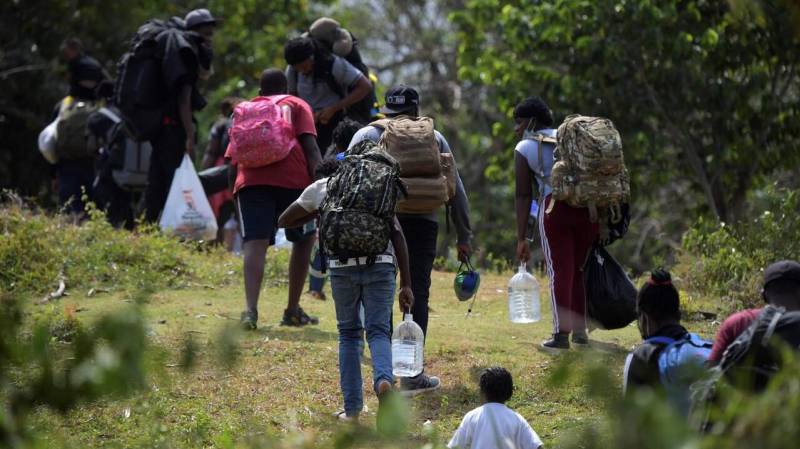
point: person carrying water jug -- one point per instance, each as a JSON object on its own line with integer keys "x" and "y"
{"x": 567, "y": 232}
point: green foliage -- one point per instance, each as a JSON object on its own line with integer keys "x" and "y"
{"x": 36, "y": 250}
{"x": 706, "y": 100}
{"x": 645, "y": 420}
{"x": 727, "y": 260}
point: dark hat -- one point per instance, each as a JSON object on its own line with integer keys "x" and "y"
{"x": 785, "y": 269}
{"x": 400, "y": 99}
{"x": 199, "y": 17}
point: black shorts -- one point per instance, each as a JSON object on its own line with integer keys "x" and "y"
{"x": 259, "y": 207}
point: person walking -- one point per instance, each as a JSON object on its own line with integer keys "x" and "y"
{"x": 326, "y": 81}
{"x": 263, "y": 193}
{"x": 402, "y": 102}
{"x": 566, "y": 232}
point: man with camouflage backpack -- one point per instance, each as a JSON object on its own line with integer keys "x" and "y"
{"x": 428, "y": 170}
{"x": 583, "y": 184}
{"x": 365, "y": 246}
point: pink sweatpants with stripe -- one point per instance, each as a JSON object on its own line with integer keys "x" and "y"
{"x": 567, "y": 236}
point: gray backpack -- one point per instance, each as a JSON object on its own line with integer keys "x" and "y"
{"x": 129, "y": 159}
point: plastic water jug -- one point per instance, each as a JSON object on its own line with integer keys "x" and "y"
{"x": 407, "y": 347}
{"x": 523, "y": 297}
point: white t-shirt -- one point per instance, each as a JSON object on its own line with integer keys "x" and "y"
{"x": 494, "y": 426}
{"x": 313, "y": 195}
{"x": 529, "y": 148}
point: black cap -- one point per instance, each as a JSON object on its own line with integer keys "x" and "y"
{"x": 785, "y": 269}
{"x": 400, "y": 99}
{"x": 199, "y": 17}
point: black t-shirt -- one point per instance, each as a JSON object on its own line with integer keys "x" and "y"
{"x": 641, "y": 366}
{"x": 219, "y": 132}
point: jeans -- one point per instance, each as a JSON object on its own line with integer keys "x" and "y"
{"x": 421, "y": 236}
{"x": 373, "y": 287}
{"x": 75, "y": 177}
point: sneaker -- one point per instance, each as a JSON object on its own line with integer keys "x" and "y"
{"x": 558, "y": 344}
{"x": 580, "y": 339}
{"x": 342, "y": 416}
{"x": 248, "y": 320}
{"x": 410, "y": 386}
{"x": 320, "y": 296}
{"x": 298, "y": 318}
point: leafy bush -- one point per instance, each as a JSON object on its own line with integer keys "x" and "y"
{"x": 36, "y": 250}
{"x": 727, "y": 261}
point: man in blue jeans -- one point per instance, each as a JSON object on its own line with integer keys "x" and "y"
{"x": 355, "y": 282}
{"x": 423, "y": 227}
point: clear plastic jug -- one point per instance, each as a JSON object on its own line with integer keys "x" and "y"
{"x": 407, "y": 347}
{"x": 523, "y": 297}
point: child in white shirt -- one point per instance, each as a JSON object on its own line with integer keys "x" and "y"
{"x": 493, "y": 425}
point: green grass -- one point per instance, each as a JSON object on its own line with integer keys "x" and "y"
{"x": 284, "y": 381}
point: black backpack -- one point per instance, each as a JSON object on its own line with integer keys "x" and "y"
{"x": 356, "y": 217}
{"x": 749, "y": 362}
{"x": 365, "y": 110}
{"x": 140, "y": 91}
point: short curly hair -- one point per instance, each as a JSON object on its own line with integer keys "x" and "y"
{"x": 536, "y": 108}
{"x": 496, "y": 384}
{"x": 343, "y": 133}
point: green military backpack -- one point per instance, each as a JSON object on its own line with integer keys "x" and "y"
{"x": 590, "y": 169}
{"x": 357, "y": 215}
{"x": 71, "y": 130}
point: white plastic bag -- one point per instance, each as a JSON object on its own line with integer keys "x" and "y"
{"x": 187, "y": 213}
{"x": 47, "y": 142}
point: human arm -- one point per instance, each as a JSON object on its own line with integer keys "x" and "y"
{"x": 401, "y": 252}
{"x": 312, "y": 153}
{"x": 461, "y": 438}
{"x": 295, "y": 216}
{"x": 185, "y": 116}
{"x": 460, "y": 208}
{"x": 360, "y": 90}
{"x": 306, "y": 207}
{"x": 212, "y": 149}
{"x": 522, "y": 204}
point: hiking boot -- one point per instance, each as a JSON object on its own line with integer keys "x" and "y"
{"x": 298, "y": 318}
{"x": 556, "y": 345}
{"x": 580, "y": 339}
{"x": 410, "y": 386}
{"x": 320, "y": 296}
{"x": 248, "y": 320}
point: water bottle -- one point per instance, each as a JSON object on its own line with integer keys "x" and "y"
{"x": 407, "y": 343}
{"x": 523, "y": 297}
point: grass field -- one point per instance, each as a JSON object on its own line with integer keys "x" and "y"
{"x": 283, "y": 382}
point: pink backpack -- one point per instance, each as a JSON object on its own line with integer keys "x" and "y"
{"x": 261, "y": 133}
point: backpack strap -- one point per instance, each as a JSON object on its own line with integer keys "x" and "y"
{"x": 110, "y": 114}
{"x": 380, "y": 124}
{"x": 659, "y": 340}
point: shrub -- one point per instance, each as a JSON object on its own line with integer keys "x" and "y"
{"x": 36, "y": 250}
{"x": 727, "y": 261}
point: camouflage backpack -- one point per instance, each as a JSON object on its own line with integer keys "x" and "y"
{"x": 590, "y": 169}
{"x": 358, "y": 211}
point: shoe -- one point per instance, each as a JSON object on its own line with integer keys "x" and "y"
{"x": 411, "y": 386}
{"x": 248, "y": 320}
{"x": 384, "y": 417}
{"x": 317, "y": 295}
{"x": 558, "y": 344}
{"x": 580, "y": 339}
{"x": 342, "y": 416}
{"x": 298, "y": 318}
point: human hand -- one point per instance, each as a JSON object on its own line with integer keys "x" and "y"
{"x": 189, "y": 146}
{"x": 464, "y": 251}
{"x": 523, "y": 251}
{"x": 325, "y": 115}
{"x": 406, "y": 299}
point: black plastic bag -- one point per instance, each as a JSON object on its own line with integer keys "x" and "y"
{"x": 610, "y": 294}
{"x": 214, "y": 179}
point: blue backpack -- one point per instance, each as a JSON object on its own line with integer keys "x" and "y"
{"x": 681, "y": 363}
